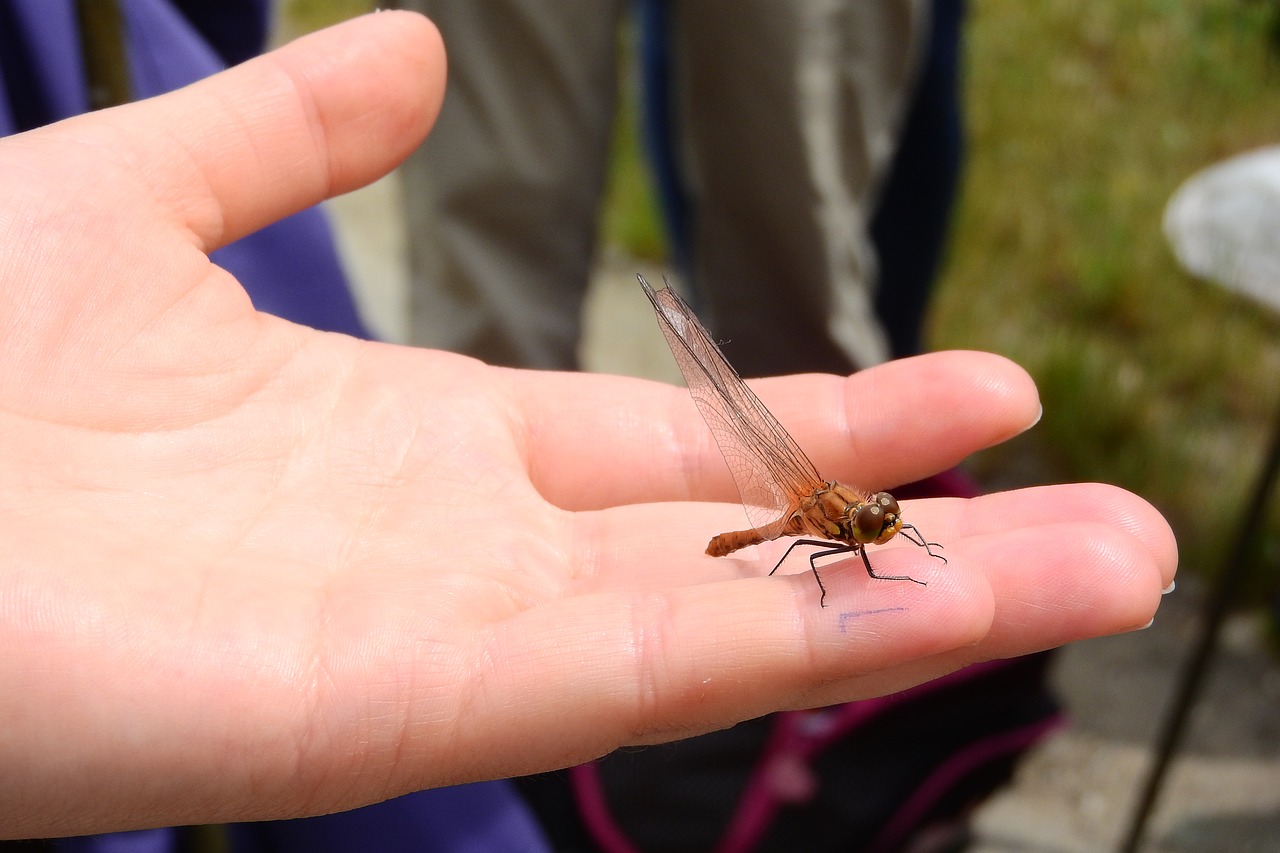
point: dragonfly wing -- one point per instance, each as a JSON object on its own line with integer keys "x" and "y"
{"x": 771, "y": 471}
{"x": 766, "y": 501}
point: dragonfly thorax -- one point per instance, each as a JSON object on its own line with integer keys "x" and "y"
{"x": 842, "y": 514}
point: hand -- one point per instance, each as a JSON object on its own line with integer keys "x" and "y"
{"x": 251, "y": 570}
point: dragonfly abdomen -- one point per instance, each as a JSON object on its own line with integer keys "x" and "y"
{"x": 727, "y": 543}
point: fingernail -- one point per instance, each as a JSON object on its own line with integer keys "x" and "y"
{"x": 1039, "y": 415}
{"x": 1149, "y": 624}
{"x": 1168, "y": 589}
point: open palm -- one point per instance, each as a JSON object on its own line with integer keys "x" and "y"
{"x": 253, "y": 570}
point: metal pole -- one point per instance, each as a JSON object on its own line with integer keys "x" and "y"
{"x": 1215, "y": 611}
{"x": 106, "y": 61}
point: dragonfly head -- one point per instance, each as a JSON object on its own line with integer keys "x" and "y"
{"x": 876, "y": 521}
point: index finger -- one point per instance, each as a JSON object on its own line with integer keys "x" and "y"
{"x": 599, "y": 441}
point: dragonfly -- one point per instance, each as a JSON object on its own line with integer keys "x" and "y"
{"x": 780, "y": 488}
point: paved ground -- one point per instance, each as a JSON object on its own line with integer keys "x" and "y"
{"x": 1075, "y": 792}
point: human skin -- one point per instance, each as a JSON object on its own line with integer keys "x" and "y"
{"x": 251, "y": 570}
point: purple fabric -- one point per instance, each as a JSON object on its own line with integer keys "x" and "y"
{"x": 477, "y": 818}
{"x": 41, "y": 63}
{"x": 142, "y": 841}
{"x": 289, "y": 269}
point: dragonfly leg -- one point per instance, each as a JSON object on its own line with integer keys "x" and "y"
{"x": 829, "y": 548}
{"x": 917, "y": 538}
{"x": 832, "y": 548}
{"x": 870, "y": 571}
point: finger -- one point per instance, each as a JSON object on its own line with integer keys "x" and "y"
{"x": 595, "y": 441}
{"x": 322, "y": 116}
{"x": 652, "y": 666}
{"x": 953, "y": 520}
{"x": 1052, "y": 585}
{"x": 668, "y": 539}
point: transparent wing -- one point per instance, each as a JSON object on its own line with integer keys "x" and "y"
{"x": 771, "y": 471}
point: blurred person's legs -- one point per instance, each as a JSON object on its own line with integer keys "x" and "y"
{"x": 502, "y": 199}
{"x": 788, "y": 117}
{"x": 916, "y": 203}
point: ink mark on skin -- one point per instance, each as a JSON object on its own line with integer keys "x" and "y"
{"x": 858, "y": 614}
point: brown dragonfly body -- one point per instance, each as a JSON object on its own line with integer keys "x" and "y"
{"x": 780, "y": 487}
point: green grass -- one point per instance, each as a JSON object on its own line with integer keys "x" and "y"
{"x": 1083, "y": 120}
{"x": 307, "y": 15}
{"x": 630, "y": 218}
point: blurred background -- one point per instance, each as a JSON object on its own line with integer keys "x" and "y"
{"x": 1082, "y": 121}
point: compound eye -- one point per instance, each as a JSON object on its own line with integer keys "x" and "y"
{"x": 887, "y": 502}
{"x": 868, "y": 521}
